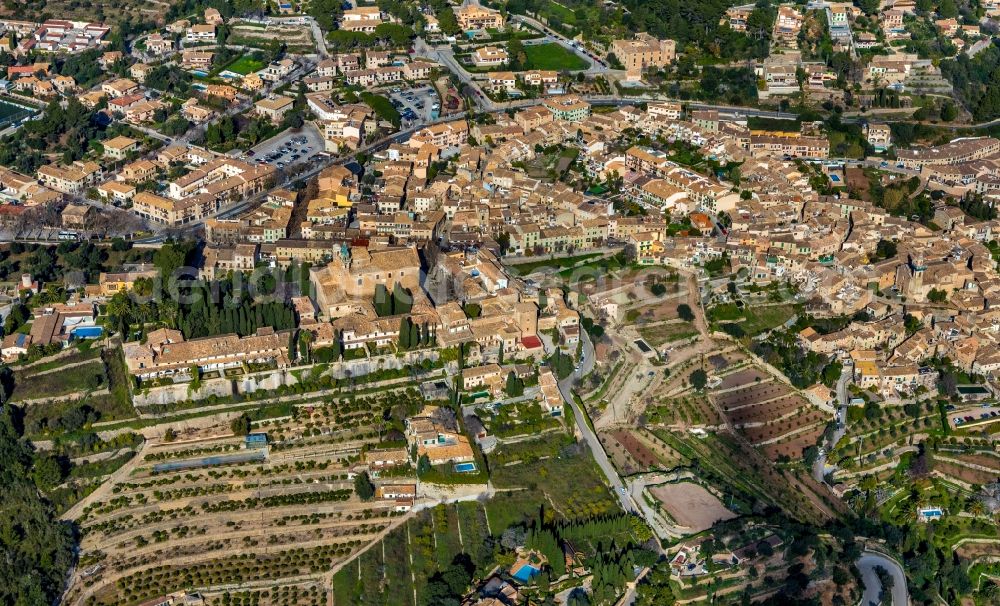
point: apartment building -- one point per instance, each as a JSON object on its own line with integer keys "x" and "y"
{"x": 642, "y": 53}
{"x": 789, "y": 144}
{"x": 200, "y": 32}
{"x": 955, "y": 152}
{"x": 879, "y": 136}
{"x": 72, "y": 179}
{"x": 274, "y": 108}
{"x": 476, "y": 17}
{"x": 568, "y": 108}
{"x": 120, "y": 147}
{"x": 444, "y": 135}
{"x": 166, "y": 352}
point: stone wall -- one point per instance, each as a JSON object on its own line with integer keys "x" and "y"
{"x": 222, "y": 387}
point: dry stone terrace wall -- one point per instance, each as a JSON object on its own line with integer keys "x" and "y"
{"x": 224, "y": 387}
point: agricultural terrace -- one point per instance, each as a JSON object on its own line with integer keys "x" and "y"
{"x": 769, "y": 414}
{"x": 78, "y": 388}
{"x": 543, "y": 487}
{"x": 218, "y": 512}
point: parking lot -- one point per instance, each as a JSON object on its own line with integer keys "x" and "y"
{"x": 289, "y": 147}
{"x": 418, "y": 104}
{"x": 975, "y": 416}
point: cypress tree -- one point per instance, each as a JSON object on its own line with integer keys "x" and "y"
{"x": 337, "y": 347}
{"x": 414, "y": 334}
{"x": 404, "y": 333}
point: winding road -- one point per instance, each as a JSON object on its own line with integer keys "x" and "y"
{"x": 867, "y": 564}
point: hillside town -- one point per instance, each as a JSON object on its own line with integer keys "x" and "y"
{"x": 501, "y": 303}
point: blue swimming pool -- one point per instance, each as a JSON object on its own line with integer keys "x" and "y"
{"x": 465, "y": 467}
{"x": 526, "y": 572}
{"x": 835, "y": 178}
{"x": 88, "y": 332}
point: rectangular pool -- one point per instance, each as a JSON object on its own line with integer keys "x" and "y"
{"x": 88, "y": 332}
{"x": 465, "y": 467}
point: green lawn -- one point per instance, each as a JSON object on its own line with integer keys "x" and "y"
{"x": 244, "y": 65}
{"x": 523, "y": 269}
{"x": 753, "y": 320}
{"x": 552, "y": 56}
{"x": 561, "y": 12}
{"x": 28, "y": 385}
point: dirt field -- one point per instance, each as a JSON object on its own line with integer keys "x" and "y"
{"x": 767, "y": 411}
{"x": 776, "y": 429}
{"x": 966, "y": 474}
{"x": 295, "y": 36}
{"x": 742, "y": 377}
{"x": 691, "y": 505}
{"x": 986, "y": 460}
{"x": 752, "y": 395}
{"x": 666, "y": 332}
{"x": 793, "y": 446}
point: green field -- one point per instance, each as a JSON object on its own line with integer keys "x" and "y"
{"x": 523, "y": 269}
{"x": 753, "y": 320}
{"x": 560, "y": 12}
{"x": 552, "y": 56}
{"x": 245, "y": 65}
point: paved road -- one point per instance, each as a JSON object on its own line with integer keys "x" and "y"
{"x": 819, "y": 467}
{"x": 866, "y": 564}
{"x": 566, "y": 389}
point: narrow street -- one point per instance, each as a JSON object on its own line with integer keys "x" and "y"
{"x": 589, "y": 436}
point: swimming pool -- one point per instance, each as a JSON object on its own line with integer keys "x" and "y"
{"x": 88, "y": 332}
{"x": 465, "y": 467}
{"x": 835, "y": 178}
{"x": 526, "y": 572}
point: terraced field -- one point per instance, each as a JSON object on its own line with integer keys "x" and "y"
{"x": 216, "y": 516}
{"x": 769, "y": 414}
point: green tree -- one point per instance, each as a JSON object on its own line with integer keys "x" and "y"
{"x": 684, "y": 312}
{"x": 937, "y": 296}
{"x": 948, "y": 111}
{"x": 363, "y": 486}
{"x": 515, "y": 386}
{"x": 699, "y": 379}
{"x": 241, "y": 425}
{"x": 404, "y": 333}
{"x": 37, "y": 548}
{"x": 48, "y": 472}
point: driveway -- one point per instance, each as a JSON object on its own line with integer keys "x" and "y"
{"x": 867, "y": 563}
{"x": 819, "y": 466}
